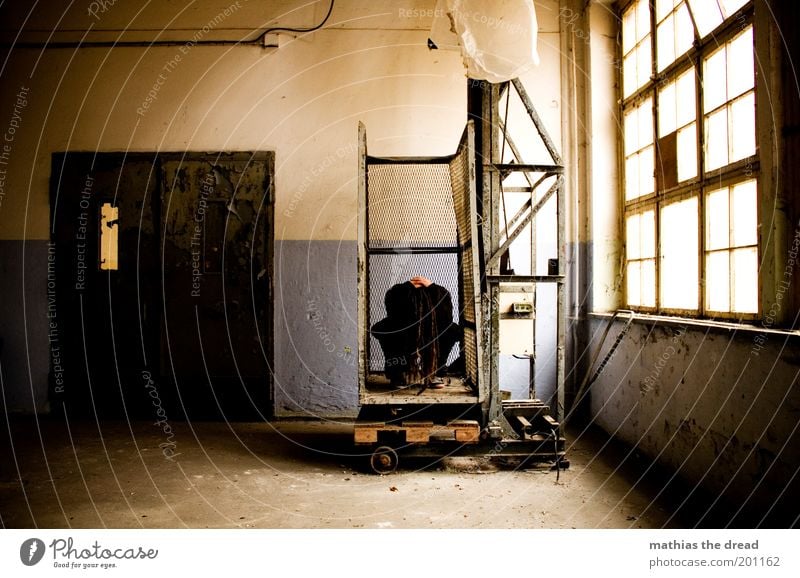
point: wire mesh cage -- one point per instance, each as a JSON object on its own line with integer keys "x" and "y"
{"x": 417, "y": 218}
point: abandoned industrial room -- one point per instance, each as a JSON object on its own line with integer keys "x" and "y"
{"x": 400, "y": 264}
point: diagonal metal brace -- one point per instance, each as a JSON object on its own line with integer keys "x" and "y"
{"x": 514, "y": 151}
{"x": 518, "y": 230}
{"x": 527, "y": 204}
{"x": 548, "y": 142}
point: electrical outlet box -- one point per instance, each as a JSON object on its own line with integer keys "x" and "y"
{"x": 521, "y": 308}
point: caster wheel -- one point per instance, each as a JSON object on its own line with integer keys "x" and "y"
{"x": 383, "y": 460}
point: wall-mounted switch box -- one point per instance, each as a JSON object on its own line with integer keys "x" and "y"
{"x": 521, "y": 308}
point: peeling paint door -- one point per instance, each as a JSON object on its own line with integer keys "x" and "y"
{"x": 159, "y": 290}
{"x": 102, "y": 283}
{"x": 215, "y": 337}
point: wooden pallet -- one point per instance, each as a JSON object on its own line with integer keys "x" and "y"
{"x": 463, "y": 431}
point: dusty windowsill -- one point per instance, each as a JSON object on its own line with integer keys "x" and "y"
{"x": 698, "y": 324}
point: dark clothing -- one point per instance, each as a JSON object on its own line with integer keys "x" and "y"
{"x": 418, "y": 332}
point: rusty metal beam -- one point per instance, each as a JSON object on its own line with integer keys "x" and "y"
{"x": 515, "y": 152}
{"x": 516, "y": 233}
{"x": 548, "y": 142}
{"x": 529, "y": 168}
{"x": 527, "y": 204}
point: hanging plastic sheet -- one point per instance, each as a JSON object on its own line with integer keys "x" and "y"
{"x": 497, "y": 38}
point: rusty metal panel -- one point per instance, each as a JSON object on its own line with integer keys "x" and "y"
{"x": 462, "y": 176}
{"x": 215, "y": 341}
{"x": 363, "y": 296}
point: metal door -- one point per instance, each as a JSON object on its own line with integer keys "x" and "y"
{"x": 215, "y": 337}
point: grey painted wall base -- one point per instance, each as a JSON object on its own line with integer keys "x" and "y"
{"x": 315, "y": 323}
{"x": 711, "y": 405}
{"x": 316, "y": 328}
{"x": 25, "y": 355}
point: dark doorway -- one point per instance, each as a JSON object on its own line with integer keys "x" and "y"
{"x": 162, "y": 267}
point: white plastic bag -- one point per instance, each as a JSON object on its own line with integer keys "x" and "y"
{"x": 497, "y": 38}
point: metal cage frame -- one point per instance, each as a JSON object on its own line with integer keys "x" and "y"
{"x": 463, "y": 243}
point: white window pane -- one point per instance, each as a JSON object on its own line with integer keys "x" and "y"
{"x": 685, "y": 96}
{"x": 648, "y": 283}
{"x": 743, "y": 127}
{"x": 644, "y": 65}
{"x": 679, "y": 259}
{"x": 714, "y": 81}
{"x": 744, "y": 229}
{"x": 631, "y": 131}
{"x": 718, "y": 281}
{"x": 646, "y": 123}
{"x": 634, "y": 284}
{"x": 628, "y": 30}
{"x": 666, "y": 42}
{"x": 663, "y": 7}
{"x": 717, "y": 140}
{"x": 731, "y": 6}
{"x": 642, "y": 19}
{"x": 687, "y": 153}
{"x": 706, "y": 15}
{"x": 741, "y": 73}
{"x": 717, "y": 225}
{"x": 632, "y": 178}
{"x": 744, "y": 280}
{"x": 629, "y": 74}
{"x": 632, "y": 237}
{"x": 684, "y": 31}
{"x": 647, "y": 169}
{"x": 647, "y": 227}
{"x": 667, "y": 110}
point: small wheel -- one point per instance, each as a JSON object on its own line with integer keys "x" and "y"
{"x": 383, "y": 460}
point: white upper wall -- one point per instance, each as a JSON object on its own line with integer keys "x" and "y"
{"x": 302, "y": 100}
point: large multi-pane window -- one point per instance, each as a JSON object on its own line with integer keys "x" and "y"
{"x": 690, "y": 166}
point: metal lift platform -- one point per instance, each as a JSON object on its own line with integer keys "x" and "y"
{"x": 440, "y": 217}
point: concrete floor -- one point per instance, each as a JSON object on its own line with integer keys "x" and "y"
{"x": 303, "y": 475}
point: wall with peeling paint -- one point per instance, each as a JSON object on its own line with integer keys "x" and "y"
{"x": 708, "y": 403}
{"x": 302, "y": 100}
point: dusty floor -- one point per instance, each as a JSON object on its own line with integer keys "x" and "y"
{"x": 302, "y": 475}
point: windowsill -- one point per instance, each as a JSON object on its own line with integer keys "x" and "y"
{"x": 669, "y": 321}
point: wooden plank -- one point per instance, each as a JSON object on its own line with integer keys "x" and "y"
{"x": 418, "y": 435}
{"x": 466, "y": 431}
{"x": 428, "y": 397}
{"x": 417, "y": 431}
{"x": 366, "y": 433}
{"x": 463, "y": 431}
{"x": 467, "y": 434}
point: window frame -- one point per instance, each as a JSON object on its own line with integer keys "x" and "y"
{"x": 705, "y": 181}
